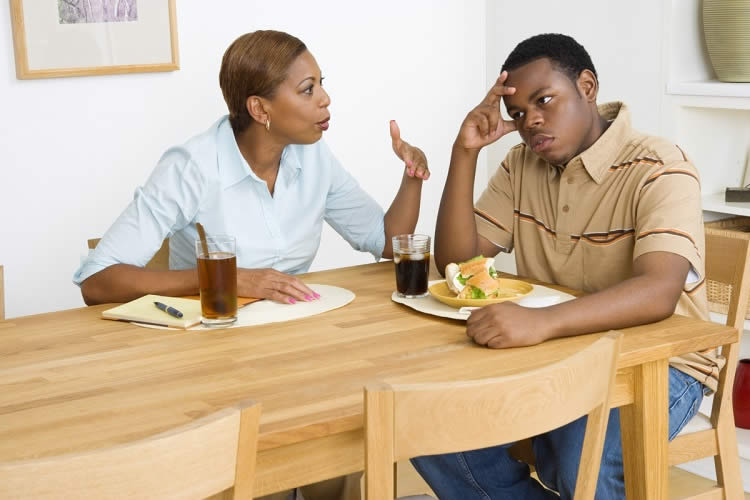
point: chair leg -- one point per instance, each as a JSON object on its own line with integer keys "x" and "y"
{"x": 727, "y": 462}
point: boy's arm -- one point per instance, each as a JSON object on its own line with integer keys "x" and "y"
{"x": 456, "y": 236}
{"x": 650, "y": 295}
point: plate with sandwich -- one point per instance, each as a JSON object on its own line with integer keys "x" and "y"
{"x": 475, "y": 283}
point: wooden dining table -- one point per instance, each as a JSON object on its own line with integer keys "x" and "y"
{"x": 71, "y": 381}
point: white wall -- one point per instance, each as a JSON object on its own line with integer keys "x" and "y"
{"x": 72, "y": 150}
{"x": 623, "y": 39}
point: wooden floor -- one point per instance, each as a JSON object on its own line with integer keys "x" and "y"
{"x": 681, "y": 483}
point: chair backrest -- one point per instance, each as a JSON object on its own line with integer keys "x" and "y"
{"x": 2, "y": 294}
{"x": 406, "y": 420}
{"x": 728, "y": 262}
{"x": 159, "y": 262}
{"x": 196, "y": 460}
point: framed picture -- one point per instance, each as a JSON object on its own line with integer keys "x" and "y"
{"x": 93, "y": 37}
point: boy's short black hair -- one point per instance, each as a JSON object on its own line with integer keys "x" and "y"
{"x": 568, "y": 55}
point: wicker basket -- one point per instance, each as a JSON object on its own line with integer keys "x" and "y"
{"x": 719, "y": 293}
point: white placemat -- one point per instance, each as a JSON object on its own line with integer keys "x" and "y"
{"x": 540, "y": 296}
{"x": 267, "y": 311}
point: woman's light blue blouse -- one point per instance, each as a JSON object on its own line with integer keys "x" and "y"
{"x": 207, "y": 180}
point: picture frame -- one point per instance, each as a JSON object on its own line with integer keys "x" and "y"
{"x": 60, "y": 38}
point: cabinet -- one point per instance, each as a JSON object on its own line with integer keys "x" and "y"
{"x": 710, "y": 121}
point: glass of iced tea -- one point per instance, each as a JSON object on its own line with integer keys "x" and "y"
{"x": 217, "y": 280}
{"x": 411, "y": 254}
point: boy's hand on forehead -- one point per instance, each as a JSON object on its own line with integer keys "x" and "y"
{"x": 484, "y": 124}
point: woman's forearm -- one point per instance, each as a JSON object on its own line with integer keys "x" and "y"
{"x": 123, "y": 282}
{"x": 403, "y": 214}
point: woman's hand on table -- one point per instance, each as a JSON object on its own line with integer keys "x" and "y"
{"x": 509, "y": 325}
{"x": 413, "y": 157}
{"x": 274, "y": 285}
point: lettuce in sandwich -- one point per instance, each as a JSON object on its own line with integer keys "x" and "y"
{"x": 459, "y": 276}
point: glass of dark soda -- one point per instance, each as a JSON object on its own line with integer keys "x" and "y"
{"x": 217, "y": 280}
{"x": 411, "y": 255}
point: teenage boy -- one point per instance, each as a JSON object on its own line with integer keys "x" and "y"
{"x": 588, "y": 203}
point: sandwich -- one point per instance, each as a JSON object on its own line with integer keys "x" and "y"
{"x": 480, "y": 286}
{"x": 474, "y": 279}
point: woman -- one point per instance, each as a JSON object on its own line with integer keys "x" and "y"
{"x": 261, "y": 174}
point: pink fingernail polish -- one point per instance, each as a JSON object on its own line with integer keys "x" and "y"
{"x": 292, "y": 301}
{"x": 411, "y": 171}
{"x": 317, "y": 295}
{"x": 308, "y": 298}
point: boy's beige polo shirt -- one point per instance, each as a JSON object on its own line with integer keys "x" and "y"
{"x": 582, "y": 226}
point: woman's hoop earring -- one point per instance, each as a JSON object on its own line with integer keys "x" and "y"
{"x": 268, "y": 124}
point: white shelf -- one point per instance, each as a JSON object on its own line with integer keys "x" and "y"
{"x": 715, "y": 203}
{"x": 709, "y": 101}
{"x": 713, "y": 88}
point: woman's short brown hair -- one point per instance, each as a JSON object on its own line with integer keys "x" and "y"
{"x": 255, "y": 65}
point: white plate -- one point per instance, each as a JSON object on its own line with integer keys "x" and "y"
{"x": 268, "y": 311}
{"x": 541, "y": 296}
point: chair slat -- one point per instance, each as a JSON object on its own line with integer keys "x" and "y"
{"x": 403, "y": 419}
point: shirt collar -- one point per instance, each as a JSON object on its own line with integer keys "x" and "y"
{"x": 233, "y": 167}
{"x": 231, "y": 164}
{"x": 602, "y": 154}
{"x": 290, "y": 165}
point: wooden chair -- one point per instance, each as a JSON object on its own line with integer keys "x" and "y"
{"x": 196, "y": 460}
{"x": 406, "y": 420}
{"x": 727, "y": 261}
{"x": 2, "y": 294}
{"x": 159, "y": 262}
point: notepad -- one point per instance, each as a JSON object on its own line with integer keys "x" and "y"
{"x": 143, "y": 310}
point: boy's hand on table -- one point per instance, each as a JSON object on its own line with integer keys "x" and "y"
{"x": 509, "y": 325}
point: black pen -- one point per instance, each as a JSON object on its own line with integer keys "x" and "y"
{"x": 168, "y": 309}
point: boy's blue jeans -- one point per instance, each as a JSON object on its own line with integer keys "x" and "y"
{"x": 491, "y": 474}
